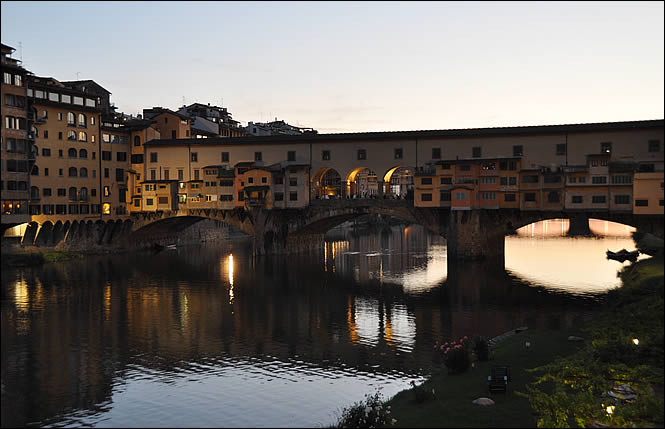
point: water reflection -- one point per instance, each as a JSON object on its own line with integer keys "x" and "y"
{"x": 209, "y": 336}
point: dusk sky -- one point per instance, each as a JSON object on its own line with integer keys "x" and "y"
{"x": 345, "y": 67}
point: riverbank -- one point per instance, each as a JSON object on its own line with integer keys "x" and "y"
{"x": 613, "y": 376}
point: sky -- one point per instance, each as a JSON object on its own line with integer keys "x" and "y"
{"x": 358, "y": 66}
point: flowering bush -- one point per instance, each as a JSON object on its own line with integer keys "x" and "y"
{"x": 456, "y": 355}
{"x": 366, "y": 414}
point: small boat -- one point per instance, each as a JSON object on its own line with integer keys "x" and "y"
{"x": 170, "y": 247}
{"x": 623, "y": 255}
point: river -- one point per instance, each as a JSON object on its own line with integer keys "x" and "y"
{"x": 207, "y": 336}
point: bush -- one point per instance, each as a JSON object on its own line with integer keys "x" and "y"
{"x": 366, "y": 414}
{"x": 456, "y": 355}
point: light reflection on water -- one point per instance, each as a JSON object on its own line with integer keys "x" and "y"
{"x": 209, "y": 336}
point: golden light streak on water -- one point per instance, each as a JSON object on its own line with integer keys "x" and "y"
{"x": 107, "y": 301}
{"x": 230, "y": 264}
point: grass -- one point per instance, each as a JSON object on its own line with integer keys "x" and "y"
{"x": 454, "y": 393}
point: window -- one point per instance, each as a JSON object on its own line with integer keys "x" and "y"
{"x": 488, "y": 196}
{"x": 7, "y": 78}
{"x": 59, "y": 135}
{"x": 71, "y": 135}
{"x": 503, "y": 181}
{"x": 167, "y": 173}
{"x": 581, "y": 179}
{"x": 445, "y": 196}
{"x": 106, "y": 138}
{"x": 62, "y": 192}
{"x": 293, "y": 181}
{"x": 598, "y": 180}
{"x": 78, "y": 100}
{"x": 148, "y": 201}
{"x": 196, "y": 174}
{"x": 598, "y": 199}
{"x": 532, "y": 178}
{"x": 460, "y": 196}
{"x": 137, "y": 141}
{"x": 46, "y": 152}
{"x": 654, "y": 145}
{"x": 119, "y": 175}
{"x": 518, "y": 150}
{"x": 622, "y": 199}
{"x": 606, "y": 147}
{"x": 153, "y": 174}
{"x": 72, "y": 153}
{"x": 264, "y": 180}
{"x": 46, "y": 192}
{"x": 172, "y": 133}
{"x": 475, "y": 151}
{"x": 225, "y": 157}
{"x": 293, "y": 196}
{"x": 398, "y": 153}
{"x": 642, "y": 203}
{"x": 137, "y": 158}
{"x": 106, "y": 155}
{"x": 509, "y": 197}
{"x": 577, "y": 199}
{"x": 71, "y": 119}
{"x": 121, "y": 156}
{"x": 425, "y": 197}
{"x": 553, "y": 197}
{"x": 446, "y": 180}
{"x": 512, "y": 181}
{"x": 107, "y": 191}
{"x": 250, "y": 180}
{"x": 106, "y": 173}
{"x": 82, "y": 120}
{"x": 362, "y": 154}
{"x": 83, "y": 194}
{"x": 572, "y": 179}
{"x": 194, "y": 157}
{"x": 325, "y": 155}
{"x": 488, "y": 180}
{"x": 92, "y": 120}
{"x": 153, "y": 156}
{"x": 551, "y": 179}
{"x": 426, "y": 181}
{"x": 72, "y": 194}
{"x": 46, "y": 171}
{"x": 561, "y": 149}
{"x": 291, "y": 155}
{"x": 622, "y": 180}
{"x": 83, "y": 172}
{"x": 279, "y": 196}
{"x": 530, "y": 196}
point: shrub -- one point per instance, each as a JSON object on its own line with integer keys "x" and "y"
{"x": 366, "y": 414}
{"x": 456, "y": 355}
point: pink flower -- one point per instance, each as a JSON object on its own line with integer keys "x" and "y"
{"x": 447, "y": 349}
{"x": 466, "y": 338}
{"x": 442, "y": 347}
{"x": 458, "y": 346}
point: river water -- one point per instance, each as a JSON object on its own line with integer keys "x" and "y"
{"x": 207, "y": 336}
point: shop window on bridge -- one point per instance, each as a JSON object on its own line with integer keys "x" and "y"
{"x": 599, "y": 180}
{"x": 642, "y": 203}
{"x": 84, "y": 209}
{"x": 426, "y": 197}
{"x": 293, "y": 196}
{"x": 446, "y": 180}
{"x": 60, "y": 209}
{"x": 509, "y": 197}
{"x": 445, "y": 196}
{"x": 426, "y": 181}
{"x": 94, "y": 208}
{"x": 532, "y": 178}
{"x": 598, "y": 199}
{"x": 530, "y": 197}
{"x": 460, "y": 196}
{"x": 622, "y": 199}
{"x": 73, "y": 209}
{"x": 48, "y": 209}
{"x": 552, "y": 179}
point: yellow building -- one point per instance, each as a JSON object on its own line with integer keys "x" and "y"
{"x": 648, "y": 193}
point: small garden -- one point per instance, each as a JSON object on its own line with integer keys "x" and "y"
{"x": 612, "y": 377}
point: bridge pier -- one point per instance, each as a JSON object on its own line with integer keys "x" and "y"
{"x": 476, "y": 235}
{"x": 30, "y": 234}
{"x": 579, "y": 226}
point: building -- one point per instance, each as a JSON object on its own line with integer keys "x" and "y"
{"x": 211, "y": 121}
{"x": 169, "y": 124}
{"x": 275, "y": 128}
{"x": 17, "y": 142}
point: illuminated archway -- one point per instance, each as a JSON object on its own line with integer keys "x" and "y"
{"x": 326, "y": 182}
{"x": 398, "y": 181}
{"x": 362, "y": 182}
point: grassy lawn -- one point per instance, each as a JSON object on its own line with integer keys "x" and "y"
{"x": 454, "y": 393}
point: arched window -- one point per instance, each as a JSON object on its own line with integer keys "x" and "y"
{"x": 83, "y": 137}
{"x": 73, "y": 172}
{"x": 83, "y": 154}
{"x": 34, "y": 131}
{"x": 72, "y": 194}
{"x": 71, "y": 135}
{"x": 71, "y": 119}
{"x": 35, "y": 170}
{"x": 44, "y": 114}
{"x": 137, "y": 141}
{"x": 82, "y": 120}
{"x": 34, "y": 193}
{"x": 83, "y": 194}
{"x": 71, "y": 152}
{"x": 83, "y": 172}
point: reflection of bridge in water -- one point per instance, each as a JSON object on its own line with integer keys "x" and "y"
{"x": 166, "y": 316}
